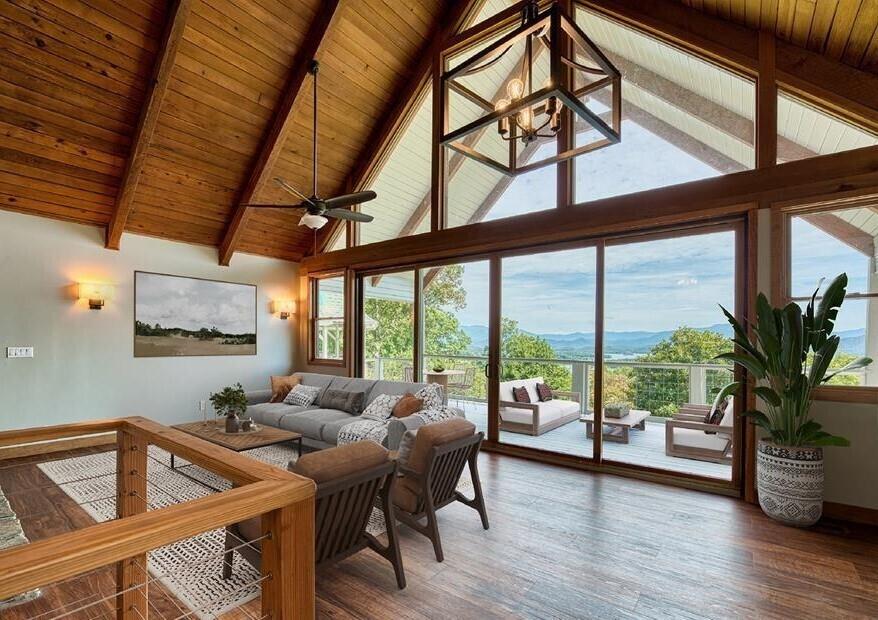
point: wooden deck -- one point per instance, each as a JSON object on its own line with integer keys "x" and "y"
{"x": 645, "y": 447}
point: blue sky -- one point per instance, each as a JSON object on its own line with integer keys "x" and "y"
{"x": 650, "y": 286}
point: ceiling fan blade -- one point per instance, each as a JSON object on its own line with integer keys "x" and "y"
{"x": 347, "y": 200}
{"x": 345, "y": 214}
{"x": 292, "y": 189}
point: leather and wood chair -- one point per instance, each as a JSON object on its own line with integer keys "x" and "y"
{"x": 429, "y": 476}
{"x": 349, "y": 478}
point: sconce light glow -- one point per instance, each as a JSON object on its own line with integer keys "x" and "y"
{"x": 284, "y": 308}
{"x": 96, "y": 294}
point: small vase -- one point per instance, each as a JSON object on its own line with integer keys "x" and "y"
{"x": 789, "y": 481}
{"x": 232, "y": 423}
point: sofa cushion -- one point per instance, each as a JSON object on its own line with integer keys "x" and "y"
{"x": 381, "y": 407}
{"x": 693, "y": 438}
{"x": 303, "y": 395}
{"x": 393, "y": 388}
{"x": 353, "y": 385}
{"x": 272, "y": 413}
{"x": 549, "y": 412}
{"x": 530, "y": 384}
{"x": 330, "y": 430}
{"x": 334, "y": 463}
{"x": 520, "y": 395}
{"x": 310, "y": 423}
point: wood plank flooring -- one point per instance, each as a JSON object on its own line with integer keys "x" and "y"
{"x": 572, "y": 544}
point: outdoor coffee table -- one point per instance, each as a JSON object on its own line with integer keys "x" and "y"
{"x": 617, "y": 429}
{"x": 238, "y": 442}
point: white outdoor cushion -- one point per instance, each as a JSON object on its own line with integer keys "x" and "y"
{"x": 728, "y": 420}
{"x": 549, "y": 412}
{"x": 529, "y": 384}
{"x": 692, "y": 438}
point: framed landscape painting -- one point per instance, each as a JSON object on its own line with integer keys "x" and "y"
{"x": 180, "y": 316}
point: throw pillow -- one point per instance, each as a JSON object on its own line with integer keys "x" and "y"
{"x": 520, "y": 395}
{"x": 302, "y": 395}
{"x": 432, "y": 396}
{"x": 544, "y": 392}
{"x": 281, "y": 386}
{"x": 343, "y": 400}
{"x": 715, "y": 415}
{"x": 407, "y": 405}
{"x": 381, "y": 408}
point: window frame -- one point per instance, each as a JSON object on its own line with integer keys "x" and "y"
{"x": 781, "y": 283}
{"x": 314, "y": 318}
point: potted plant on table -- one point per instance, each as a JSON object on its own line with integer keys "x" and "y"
{"x": 789, "y": 355}
{"x": 230, "y": 402}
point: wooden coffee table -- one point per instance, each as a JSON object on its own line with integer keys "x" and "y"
{"x": 239, "y": 442}
{"x": 617, "y": 429}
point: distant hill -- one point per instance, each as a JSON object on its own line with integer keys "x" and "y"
{"x": 629, "y": 344}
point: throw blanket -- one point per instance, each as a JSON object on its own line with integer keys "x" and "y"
{"x": 11, "y": 535}
{"x": 376, "y": 430}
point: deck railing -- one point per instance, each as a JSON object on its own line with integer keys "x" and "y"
{"x": 657, "y": 386}
{"x": 284, "y": 500}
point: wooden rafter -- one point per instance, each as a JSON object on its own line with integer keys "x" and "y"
{"x": 178, "y": 14}
{"x": 386, "y": 134}
{"x": 273, "y": 141}
{"x": 844, "y": 231}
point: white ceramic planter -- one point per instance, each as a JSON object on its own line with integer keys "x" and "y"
{"x": 790, "y": 483}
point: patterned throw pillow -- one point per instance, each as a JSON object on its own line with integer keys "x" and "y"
{"x": 520, "y": 394}
{"x": 715, "y": 416}
{"x": 432, "y": 396}
{"x": 544, "y": 392}
{"x": 302, "y": 395}
{"x": 381, "y": 408}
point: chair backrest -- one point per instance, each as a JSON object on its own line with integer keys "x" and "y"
{"x": 530, "y": 384}
{"x": 469, "y": 376}
{"x": 445, "y": 466}
{"x": 343, "y": 507}
{"x": 409, "y": 374}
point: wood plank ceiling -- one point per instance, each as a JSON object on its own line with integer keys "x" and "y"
{"x": 74, "y": 78}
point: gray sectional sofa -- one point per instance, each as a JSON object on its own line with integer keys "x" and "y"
{"x": 320, "y": 427}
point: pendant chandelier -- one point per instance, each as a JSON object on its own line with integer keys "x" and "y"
{"x": 559, "y": 67}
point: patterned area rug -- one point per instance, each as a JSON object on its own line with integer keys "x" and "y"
{"x": 11, "y": 535}
{"x": 191, "y": 568}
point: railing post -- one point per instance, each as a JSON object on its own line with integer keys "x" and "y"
{"x": 131, "y": 500}
{"x": 697, "y": 385}
{"x": 580, "y": 382}
{"x": 379, "y": 368}
{"x": 288, "y": 562}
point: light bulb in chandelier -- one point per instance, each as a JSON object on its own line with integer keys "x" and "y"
{"x": 526, "y": 119}
{"x": 515, "y": 88}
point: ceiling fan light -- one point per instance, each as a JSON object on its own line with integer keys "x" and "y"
{"x": 313, "y": 222}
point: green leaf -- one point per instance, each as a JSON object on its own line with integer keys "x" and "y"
{"x": 830, "y": 440}
{"x": 768, "y": 395}
{"x": 752, "y": 365}
{"x": 827, "y": 309}
{"x": 860, "y": 362}
{"x": 791, "y": 340}
{"x": 822, "y": 359}
{"x": 766, "y": 326}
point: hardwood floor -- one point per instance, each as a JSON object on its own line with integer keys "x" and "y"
{"x": 571, "y": 544}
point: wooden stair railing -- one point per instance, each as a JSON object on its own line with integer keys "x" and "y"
{"x": 284, "y": 500}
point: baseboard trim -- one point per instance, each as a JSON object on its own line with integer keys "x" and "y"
{"x": 852, "y": 514}
{"x": 57, "y": 445}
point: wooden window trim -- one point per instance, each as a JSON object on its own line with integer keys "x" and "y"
{"x": 781, "y": 251}
{"x": 314, "y": 318}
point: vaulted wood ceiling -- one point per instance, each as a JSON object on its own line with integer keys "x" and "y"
{"x": 80, "y": 141}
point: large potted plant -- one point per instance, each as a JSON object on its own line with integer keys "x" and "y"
{"x": 230, "y": 402}
{"x": 789, "y": 354}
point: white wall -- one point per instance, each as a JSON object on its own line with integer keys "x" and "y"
{"x": 84, "y": 365}
{"x": 850, "y": 472}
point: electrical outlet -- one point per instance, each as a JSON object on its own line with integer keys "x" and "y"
{"x": 19, "y": 351}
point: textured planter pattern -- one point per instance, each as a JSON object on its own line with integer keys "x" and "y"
{"x": 790, "y": 483}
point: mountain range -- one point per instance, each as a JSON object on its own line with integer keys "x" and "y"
{"x": 580, "y": 345}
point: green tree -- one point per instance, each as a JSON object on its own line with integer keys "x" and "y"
{"x": 661, "y": 390}
{"x": 517, "y": 344}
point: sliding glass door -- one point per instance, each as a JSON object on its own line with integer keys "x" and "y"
{"x": 547, "y": 349}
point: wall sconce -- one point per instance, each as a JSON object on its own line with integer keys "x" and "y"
{"x": 283, "y": 307}
{"x": 96, "y": 294}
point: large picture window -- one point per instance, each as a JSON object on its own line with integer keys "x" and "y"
{"x": 822, "y": 244}
{"x": 327, "y": 318}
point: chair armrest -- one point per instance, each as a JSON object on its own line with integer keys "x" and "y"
{"x": 396, "y": 428}
{"x": 575, "y": 396}
{"x": 257, "y": 397}
{"x": 689, "y": 417}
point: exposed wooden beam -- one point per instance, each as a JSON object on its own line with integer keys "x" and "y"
{"x": 826, "y": 175}
{"x": 273, "y": 142}
{"x": 178, "y": 14}
{"x": 767, "y": 147}
{"x": 844, "y": 231}
{"x": 396, "y": 117}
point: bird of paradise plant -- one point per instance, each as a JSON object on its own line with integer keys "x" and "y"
{"x": 789, "y": 354}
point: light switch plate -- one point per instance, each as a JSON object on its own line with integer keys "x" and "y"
{"x": 19, "y": 351}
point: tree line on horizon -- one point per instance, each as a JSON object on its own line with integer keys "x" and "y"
{"x": 145, "y": 329}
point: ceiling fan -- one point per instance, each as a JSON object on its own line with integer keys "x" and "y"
{"x": 318, "y": 210}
